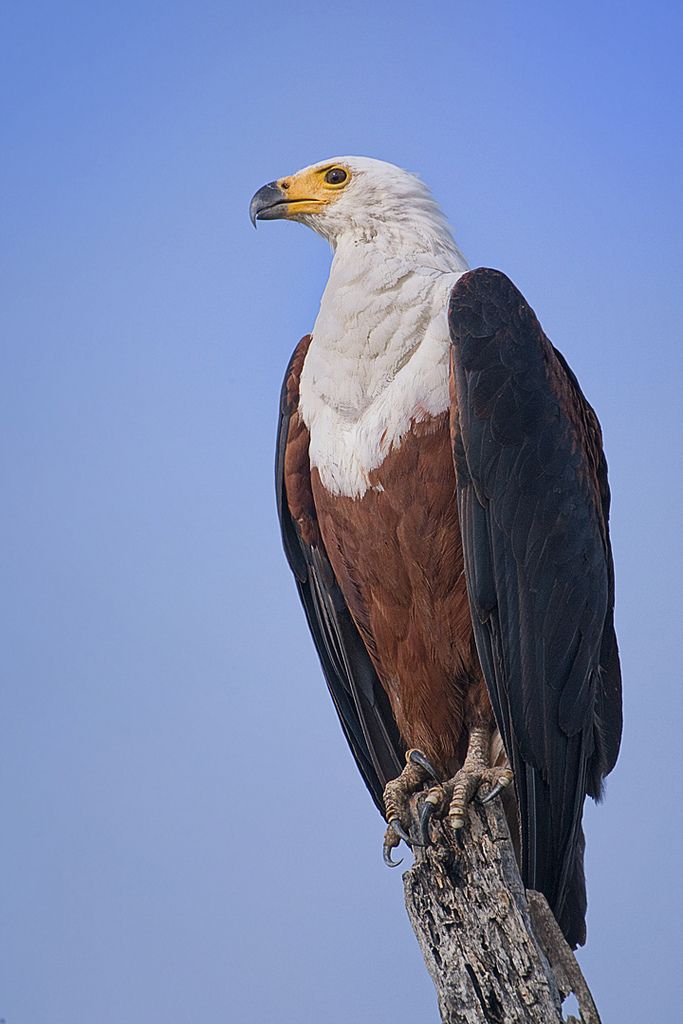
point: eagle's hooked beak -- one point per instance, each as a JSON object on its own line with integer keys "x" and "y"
{"x": 269, "y": 203}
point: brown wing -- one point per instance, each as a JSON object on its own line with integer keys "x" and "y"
{"x": 359, "y": 698}
{"x": 533, "y": 503}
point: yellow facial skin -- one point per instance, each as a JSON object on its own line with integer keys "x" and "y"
{"x": 310, "y": 191}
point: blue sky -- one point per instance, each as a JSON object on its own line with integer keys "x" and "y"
{"x": 185, "y": 836}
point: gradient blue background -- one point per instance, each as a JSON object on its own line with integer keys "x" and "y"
{"x": 184, "y": 835}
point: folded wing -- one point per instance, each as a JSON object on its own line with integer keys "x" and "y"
{"x": 533, "y": 503}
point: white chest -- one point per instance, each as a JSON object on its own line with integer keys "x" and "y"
{"x": 378, "y": 361}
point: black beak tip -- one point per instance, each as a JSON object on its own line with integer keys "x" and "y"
{"x": 264, "y": 199}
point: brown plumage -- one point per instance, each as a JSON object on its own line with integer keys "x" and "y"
{"x": 397, "y": 555}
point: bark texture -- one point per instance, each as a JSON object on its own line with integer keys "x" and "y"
{"x": 494, "y": 951}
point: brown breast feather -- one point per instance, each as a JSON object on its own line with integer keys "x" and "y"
{"x": 397, "y": 555}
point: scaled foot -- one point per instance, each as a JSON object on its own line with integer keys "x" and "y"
{"x": 456, "y": 794}
{"x": 396, "y": 795}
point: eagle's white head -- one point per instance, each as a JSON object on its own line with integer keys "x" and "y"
{"x": 358, "y": 199}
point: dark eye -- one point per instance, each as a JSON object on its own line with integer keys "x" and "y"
{"x": 336, "y": 176}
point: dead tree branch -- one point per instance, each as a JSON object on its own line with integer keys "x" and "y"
{"x": 494, "y": 951}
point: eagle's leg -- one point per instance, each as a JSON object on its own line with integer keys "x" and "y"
{"x": 396, "y": 795}
{"x": 458, "y": 793}
{"x": 474, "y": 773}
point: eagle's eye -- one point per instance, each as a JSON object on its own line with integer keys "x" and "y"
{"x": 336, "y": 176}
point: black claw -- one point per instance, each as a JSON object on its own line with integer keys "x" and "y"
{"x": 397, "y": 829}
{"x": 498, "y": 788}
{"x": 386, "y": 853}
{"x": 400, "y": 831}
{"x": 417, "y": 757}
{"x": 426, "y": 812}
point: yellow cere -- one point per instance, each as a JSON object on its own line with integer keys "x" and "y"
{"x": 312, "y": 189}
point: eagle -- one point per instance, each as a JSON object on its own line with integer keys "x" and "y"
{"x": 443, "y": 501}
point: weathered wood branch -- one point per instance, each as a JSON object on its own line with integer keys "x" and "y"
{"x": 494, "y": 951}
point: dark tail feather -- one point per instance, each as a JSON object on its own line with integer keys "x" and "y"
{"x": 572, "y": 917}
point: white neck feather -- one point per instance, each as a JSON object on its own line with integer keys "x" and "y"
{"x": 379, "y": 355}
{"x": 378, "y": 360}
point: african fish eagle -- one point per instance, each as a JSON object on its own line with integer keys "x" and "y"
{"x": 443, "y": 500}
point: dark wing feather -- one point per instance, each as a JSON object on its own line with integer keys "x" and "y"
{"x": 360, "y": 700}
{"x": 533, "y": 503}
